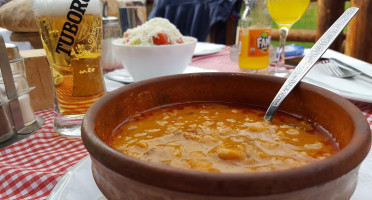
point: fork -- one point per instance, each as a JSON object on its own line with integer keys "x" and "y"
{"x": 337, "y": 71}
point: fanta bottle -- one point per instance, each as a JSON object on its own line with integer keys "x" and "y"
{"x": 254, "y": 36}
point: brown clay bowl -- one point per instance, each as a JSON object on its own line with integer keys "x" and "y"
{"x": 122, "y": 177}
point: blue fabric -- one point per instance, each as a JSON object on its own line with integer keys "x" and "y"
{"x": 196, "y": 17}
{"x": 292, "y": 50}
{"x": 2, "y": 2}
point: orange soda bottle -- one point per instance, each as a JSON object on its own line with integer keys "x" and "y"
{"x": 254, "y": 36}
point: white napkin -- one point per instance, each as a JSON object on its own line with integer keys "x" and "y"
{"x": 351, "y": 88}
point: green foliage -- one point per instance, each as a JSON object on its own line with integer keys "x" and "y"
{"x": 307, "y": 21}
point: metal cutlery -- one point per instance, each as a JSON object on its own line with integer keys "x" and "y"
{"x": 342, "y": 72}
{"x": 309, "y": 60}
{"x": 347, "y": 66}
{"x": 337, "y": 71}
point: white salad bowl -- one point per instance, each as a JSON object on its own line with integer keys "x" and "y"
{"x": 145, "y": 62}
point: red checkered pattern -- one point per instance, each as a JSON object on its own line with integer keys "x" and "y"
{"x": 219, "y": 61}
{"x": 367, "y": 111}
{"x": 30, "y": 168}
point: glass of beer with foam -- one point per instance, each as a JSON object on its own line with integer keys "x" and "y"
{"x": 71, "y": 33}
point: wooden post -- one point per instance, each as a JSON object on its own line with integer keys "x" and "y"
{"x": 328, "y": 13}
{"x": 230, "y": 31}
{"x": 301, "y": 35}
{"x": 38, "y": 76}
{"x": 359, "y": 33}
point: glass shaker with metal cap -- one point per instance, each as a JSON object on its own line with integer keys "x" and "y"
{"x": 20, "y": 81}
{"x": 111, "y": 31}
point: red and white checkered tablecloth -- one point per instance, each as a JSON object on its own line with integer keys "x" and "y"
{"x": 30, "y": 168}
{"x": 219, "y": 61}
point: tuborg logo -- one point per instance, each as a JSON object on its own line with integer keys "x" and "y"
{"x": 70, "y": 27}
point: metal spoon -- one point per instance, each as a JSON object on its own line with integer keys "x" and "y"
{"x": 309, "y": 60}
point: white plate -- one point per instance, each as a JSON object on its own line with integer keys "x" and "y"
{"x": 112, "y": 85}
{"x": 123, "y": 76}
{"x": 79, "y": 184}
{"x": 357, "y": 96}
{"x": 351, "y": 88}
{"x": 205, "y": 48}
{"x": 119, "y": 75}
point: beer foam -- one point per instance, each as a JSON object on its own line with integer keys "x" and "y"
{"x": 62, "y": 7}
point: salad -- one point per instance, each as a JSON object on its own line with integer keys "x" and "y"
{"x": 157, "y": 31}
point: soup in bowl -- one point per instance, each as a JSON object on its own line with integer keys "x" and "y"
{"x": 222, "y": 137}
{"x": 200, "y": 136}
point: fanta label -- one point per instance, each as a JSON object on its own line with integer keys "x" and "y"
{"x": 259, "y": 42}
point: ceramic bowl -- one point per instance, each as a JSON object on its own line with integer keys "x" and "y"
{"x": 144, "y": 62}
{"x": 123, "y": 177}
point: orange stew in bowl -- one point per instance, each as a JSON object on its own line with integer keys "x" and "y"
{"x": 218, "y": 137}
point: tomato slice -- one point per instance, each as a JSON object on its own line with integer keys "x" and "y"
{"x": 161, "y": 39}
{"x": 179, "y": 40}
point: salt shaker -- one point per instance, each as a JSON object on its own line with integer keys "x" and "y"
{"x": 111, "y": 31}
{"x": 20, "y": 81}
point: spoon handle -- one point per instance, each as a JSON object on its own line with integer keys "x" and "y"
{"x": 309, "y": 60}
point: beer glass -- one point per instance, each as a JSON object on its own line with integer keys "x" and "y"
{"x": 285, "y": 13}
{"x": 71, "y": 33}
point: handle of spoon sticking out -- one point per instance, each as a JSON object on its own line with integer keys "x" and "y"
{"x": 309, "y": 60}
